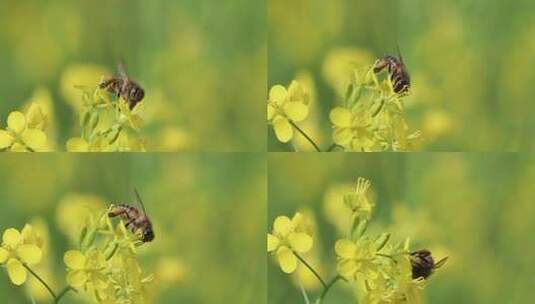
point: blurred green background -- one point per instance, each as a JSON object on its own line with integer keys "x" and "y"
{"x": 202, "y": 64}
{"x": 470, "y": 64}
{"x": 208, "y": 213}
{"x": 475, "y": 208}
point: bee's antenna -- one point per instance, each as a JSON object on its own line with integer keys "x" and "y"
{"x": 140, "y": 201}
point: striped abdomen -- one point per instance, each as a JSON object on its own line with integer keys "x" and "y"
{"x": 398, "y": 73}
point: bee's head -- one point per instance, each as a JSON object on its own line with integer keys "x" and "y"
{"x": 148, "y": 235}
{"x": 136, "y": 94}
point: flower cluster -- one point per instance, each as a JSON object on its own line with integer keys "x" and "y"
{"x": 286, "y": 106}
{"x": 372, "y": 118}
{"x": 107, "y": 124}
{"x": 105, "y": 267}
{"x": 25, "y": 132}
{"x": 380, "y": 269}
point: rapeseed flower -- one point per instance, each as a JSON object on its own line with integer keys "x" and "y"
{"x": 25, "y": 132}
{"x": 287, "y": 239}
{"x": 286, "y": 106}
{"x": 19, "y": 250}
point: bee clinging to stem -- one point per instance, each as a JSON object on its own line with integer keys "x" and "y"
{"x": 124, "y": 87}
{"x": 423, "y": 264}
{"x": 396, "y": 69}
{"x": 134, "y": 218}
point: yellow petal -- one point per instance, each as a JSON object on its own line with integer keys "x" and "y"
{"x": 347, "y": 268}
{"x": 74, "y": 259}
{"x": 16, "y": 122}
{"x": 287, "y": 260}
{"x": 341, "y": 117}
{"x": 77, "y": 144}
{"x": 35, "y": 116}
{"x": 270, "y": 112}
{"x": 282, "y": 225}
{"x": 283, "y": 129}
{"x": 12, "y": 237}
{"x": 5, "y": 139}
{"x": 345, "y": 248}
{"x": 296, "y": 92}
{"x": 16, "y": 147}
{"x": 35, "y": 139}
{"x": 272, "y": 242}
{"x": 4, "y": 254}
{"x": 300, "y": 242}
{"x": 296, "y": 111}
{"x": 17, "y": 272}
{"x": 77, "y": 278}
{"x": 29, "y": 254}
{"x": 278, "y": 94}
{"x": 342, "y": 136}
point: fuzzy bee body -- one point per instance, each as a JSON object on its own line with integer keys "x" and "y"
{"x": 396, "y": 69}
{"x": 135, "y": 220}
{"x": 423, "y": 264}
{"x": 124, "y": 87}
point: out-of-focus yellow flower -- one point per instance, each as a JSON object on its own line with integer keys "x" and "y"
{"x": 340, "y": 63}
{"x": 87, "y": 75}
{"x": 170, "y": 270}
{"x": 20, "y": 248}
{"x": 175, "y": 139}
{"x": 285, "y": 106}
{"x": 24, "y": 132}
{"x": 86, "y": 270}
{"x": 286, "y": 239}
{"x": 73, "y": 212}
{"x": 333, "y": 207}
{"x": 355, "y": 258}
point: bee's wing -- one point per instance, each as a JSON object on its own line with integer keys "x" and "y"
{"x": 121, "y": 69}
{"x": 138, "y": 197}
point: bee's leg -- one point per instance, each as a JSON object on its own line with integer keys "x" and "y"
{"x": 130, "y": 223}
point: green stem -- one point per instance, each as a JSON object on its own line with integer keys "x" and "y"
{"x": 332, "y": 147}
{"x": 311, "y": 269}
{"x": 62, "y": 293}
{"x": 327, "y": 288}
{"x": 40, "y": 280}
{"x": 305, "y": 135}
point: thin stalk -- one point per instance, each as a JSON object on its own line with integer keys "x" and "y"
{"x": 311, "y": 269}
{"x": 332, "y": 147}
{"x": 40, "y": 280}
{"x": 327, "y": 288}
{"x": 305, "y": 135}
{"x": 62, "y": 293}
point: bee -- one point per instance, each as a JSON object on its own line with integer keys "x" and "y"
{"x": 423, "y": 264}
{"x": 398, "y": 71}
{"x": 135, "y": 219}
{"x": 124, "y": 87}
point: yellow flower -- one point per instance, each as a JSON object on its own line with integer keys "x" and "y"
{"x": 352, "y": 130}
{"x": 86, "y": 270}
{"x": 358, "y": 201}
{"x": 286, "y": 239}
{"x": 23, "y": 132}
{"x": 19, "y": 249}
{"x": 285, "y": 106}
{"x": 355, "y": 258}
